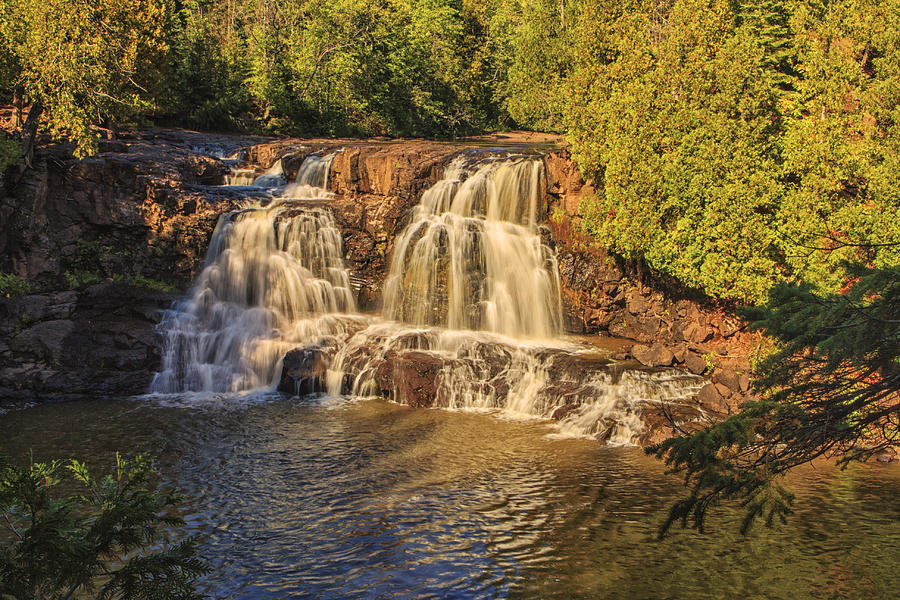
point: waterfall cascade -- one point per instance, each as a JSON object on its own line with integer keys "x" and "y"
{"x": 471, "y": 257}
{"x": 273, "y": 276}
{"x": 472, "y": 309}
{"x": 474, "y": 295}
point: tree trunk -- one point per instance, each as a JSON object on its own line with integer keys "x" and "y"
{"x": 18, "y": 105}
{"x": 29, "y": 131}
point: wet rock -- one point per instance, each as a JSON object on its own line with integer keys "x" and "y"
{"x": 303, "y": 371}
{"x": 561, "y": 412}
{"x": 665, "y": 420}
{"x": 414, "y": 377}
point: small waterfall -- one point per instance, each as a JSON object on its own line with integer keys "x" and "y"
{"x": 271, "y": 274}
{"x": 586, "y": 394}
{"x": 240, "y": 177}
{"x": 471, "y": 257}
{"x": 312, "y": 178}
{"x": 274, "y": 177}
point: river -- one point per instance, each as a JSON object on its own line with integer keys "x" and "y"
{"x": 322, "y": 497}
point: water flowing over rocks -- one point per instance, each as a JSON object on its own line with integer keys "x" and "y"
{"x": 146, "y": 208}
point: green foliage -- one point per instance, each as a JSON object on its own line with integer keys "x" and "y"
{"x": 738, "y": 145}
{"x": 85, "y": 61}
{"x": 12, "y": 286}
{"x": 10, "y": 154}
{"x": 78, "y": 278}
{"x": 109, "y": 539}
{"x": 832, "y": 387}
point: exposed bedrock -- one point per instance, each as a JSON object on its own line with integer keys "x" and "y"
{"x": 144, "y": 209}
{"x": 583, "y": 390}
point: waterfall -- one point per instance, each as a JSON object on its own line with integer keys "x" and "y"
{"x": 473, "y": 298}
{"x": 312, "y": 178}
{"x": 240, "y": 177}
{"x": 471, "y": 257}
{"x": 272, "y": 274}
{"x": 274, "y": 177}
{"x": 584, "y": 392}
{"x": 472, "y": 314}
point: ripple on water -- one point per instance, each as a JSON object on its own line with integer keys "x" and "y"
{"x": 336, "y": 498}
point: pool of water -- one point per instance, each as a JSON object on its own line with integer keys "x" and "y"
{"x": 335, "y": 498}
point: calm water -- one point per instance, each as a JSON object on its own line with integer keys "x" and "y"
{"x": 328, "y": 498}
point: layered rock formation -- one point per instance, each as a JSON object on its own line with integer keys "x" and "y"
{"x": 144, "y": 210}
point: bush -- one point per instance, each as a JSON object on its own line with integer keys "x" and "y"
{"x": 12, "y": 286}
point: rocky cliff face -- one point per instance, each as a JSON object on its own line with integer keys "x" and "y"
{"x": 140, "y": 215}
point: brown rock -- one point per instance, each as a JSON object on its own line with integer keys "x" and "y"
{"x": 654, "y": 356}
{"x": 711, "y": 399}
{"x": 694, "y": 363}
{"x": 635, "y": 303}
{"x": 728, "y": 378}
{"x": 561, "y": 412}
{"x": 415, "y": 378}
{"x": 303, "y": 371}
{"x": 696, "y": 333}
{"x": 744, "y": 382}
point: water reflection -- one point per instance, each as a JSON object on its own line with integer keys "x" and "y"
{"x": 316, "y": 498}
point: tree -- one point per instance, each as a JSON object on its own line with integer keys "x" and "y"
{"x": 112, "y": 535}
{"x": 832, "y": 388}
{"x": 83, "y": 61}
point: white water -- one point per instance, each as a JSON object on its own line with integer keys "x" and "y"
{"x": 471, "y": 257}
{"x": 273, "y": 276}
{"x": 471, "y": 285}
{"x": 488, "y": 372}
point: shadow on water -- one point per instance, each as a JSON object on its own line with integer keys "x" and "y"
{"x": 333, "y": 498}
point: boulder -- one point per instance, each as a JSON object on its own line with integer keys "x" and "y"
{"x": 729, "y": 379}
{"x": 694, "y": 363}
{"x": 303, "y": 371}
{"x": 46, "y": 340}
{"x": 744, "y": 382}
{"x": 653, "y": 356}
{"x": 415, "y": 377}
{"x": 696, "y": 333}
{"x": 711, "y": 399}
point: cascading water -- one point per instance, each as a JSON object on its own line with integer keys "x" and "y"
{"x": 273, "y": 275}
{"x": 472, "y": 258}
{"x": 478, "y": 296}
{"x": 472, "y": 308}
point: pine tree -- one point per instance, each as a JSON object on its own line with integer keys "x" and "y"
{"x": 113, "y": 534}
{"x": 831, "y": 389}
